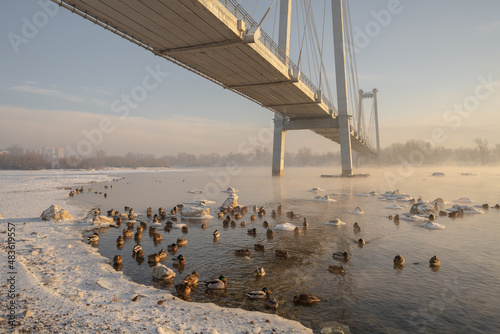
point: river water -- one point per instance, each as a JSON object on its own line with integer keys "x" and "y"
{"x": 372, "y": 296}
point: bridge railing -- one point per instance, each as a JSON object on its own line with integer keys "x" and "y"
{"x": 240, "y": 13}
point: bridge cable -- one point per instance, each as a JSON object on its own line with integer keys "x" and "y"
{"x": 255, "y": 9}
{"x": 304, "y": 34}
{"x": 267, "y": 12}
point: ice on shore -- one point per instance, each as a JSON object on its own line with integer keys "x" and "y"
{"x": 325, "y": 198}
{"x": 465, "y": 209}
{"x": 55, "y": 213}
{"x": 433, "y": 226}
{"x": 335, "y": 222}
{"x": 316, "y": 190}
{"x": 285, "y": 227}
{"x": 356, "y": 211}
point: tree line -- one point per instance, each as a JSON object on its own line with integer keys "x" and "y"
{"x": 413, "y": 151}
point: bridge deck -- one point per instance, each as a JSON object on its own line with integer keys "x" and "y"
{"x": 204, "y": 36}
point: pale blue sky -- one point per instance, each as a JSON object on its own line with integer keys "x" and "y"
{"x": 428, "y": 58}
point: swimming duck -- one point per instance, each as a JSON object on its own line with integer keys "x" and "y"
{"x": 184, "y": 229}
{"x": 356, "y": 227}
{"x": 281, "y": 253}
{"x": 243, "y": 224}
{"x": 120, "y": 240}
{"x": 271, "y": 302}
{"x": 172, "y": 248}
{"x": 136, "y": 249}
{"x": 152, "y": 230}
{"x": 140, "y": 229}
{"x": 204, "y": 226}
{"x": 140, "y": 255}
{"x": 179, "y": 260}
{"x": 434, "y": 261}
{"x": 252, "y": 217}
{"x": 259, "y": 247}
{"x": 93, "y": 238}
{"x": 270, "y": 233}
{"x": 117, "y": 259}
{"x": 265, "y": 224}
{"x": 219, "y": 283}
{"x": 399, "y": 259}
{"x": 305, "y": 223}
{"x": 162, "y": 254}
{"x": 305, "y": 299}
{"x": 258, "y": 294}
{"x": 297, "y": 231}
{"x": 396, "y": 218}
{"x": 153, "y": 258}
{"x": 137, "y": 236}
{"x": 292, "y": 214}
{"x": 216, "y": 234}
{"x": 130, "y": 224}
{"x": 181, "y": 242}
{"x": 259, "y": 272}
{"x": 242, "y": 252}
{"x": 336, "y": 269}
{"x": 237, "y": 215}
{"x": 157, "y": 237}
{"x": 183, "y": 289}
{"x": 341, "y": 256}
{"x": 274, "y": 214}
{"x": 191, "y": 279}
{"x": 361, "y": 241}
{"x": 252, "y": 231}
{"x": 255, "y": 208}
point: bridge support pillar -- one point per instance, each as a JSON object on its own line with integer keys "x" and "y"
{"x": 278, "y": 146}
{"x": 340, "y": 74}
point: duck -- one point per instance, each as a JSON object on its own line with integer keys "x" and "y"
{"x": 243, "y": 224}
{"x": 271, "y": 302}
{"x": 162, "y": 254}
{"x": 341, "y": 256}
{"x": 305, "y": 299}
{"x": 281, "y": 253}
{"x": 179, "y": 260}
{"x": 137, "y": 236}
{"x": 252, "y": 217}
{"x": 361, "y": 241}
{"x": 118, "y": 259}
{"x": 172, "y": 248}
{"x": 434, "y": 262}
{"x": 297, "y": 231}
{"x": 136, "y": 249}
{"x": 191, "y": 279}
{"x": 274, "y": 214}
{"x": 259, "y": 272}
{"x": 140, "y": 255}
{"x": 181, "y": 242}
{"x": 93, "y": 238}
{"x": 219, "y": 283}
{"x": 336, "y": 269}
{"x": 356, "y": 227}
{"x": 259, "y": 247}
{"x": 128, "y": 233}
{"x": 270, "y": 233}
{"x": 265, "y": 224}
{"x": 220, "y": 215}
{"x": 399, "y": 260}
{"x": 152, "y": 230}
{"x": 216, "y": 234}
{"x": 140, "y": 229}
{"x": 238, "y": 215}
{"x": 153, "y": 258}
{"x": 120, "y": 240}
{"x": 242, "y": 252}
{"x": 183, "y": 289}
{"x": 204, "y": 226}
{"x": 396, "y": 218}
{"x": 157, "y": 237}
{"x": 252, "y": 231}
{"x": 258, "y": 294}
{"x": 184, "y": 229}
{"x": 305, "y": 223}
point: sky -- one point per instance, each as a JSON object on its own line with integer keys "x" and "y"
{"x": 435, "y": 64}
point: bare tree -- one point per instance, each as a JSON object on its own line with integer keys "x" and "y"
{"x": 482, "y": 145}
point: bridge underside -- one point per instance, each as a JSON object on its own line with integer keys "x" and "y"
{"x": 208, "y": 38}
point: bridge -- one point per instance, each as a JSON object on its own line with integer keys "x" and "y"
{"x": 220, "y": 41}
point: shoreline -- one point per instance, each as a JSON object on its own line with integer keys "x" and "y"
{"x": 64, "y": 285}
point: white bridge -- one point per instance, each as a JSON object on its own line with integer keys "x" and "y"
{"x": 221, "y": 42}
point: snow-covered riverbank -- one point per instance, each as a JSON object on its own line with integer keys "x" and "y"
{"x": 63, "y": 285}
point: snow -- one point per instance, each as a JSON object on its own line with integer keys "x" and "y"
{"x": 325, "y": 198}
{"x": 68, "y": 287}
{"x": 463, "y": 200}
{"x": 433, "y": 226}
{"x": 411, "y": 217}
{"x": 335, "y": 222}
{"x": 285, "y": 227}
{"x": 316, "y": 190}
{"x": 395, "y": 207}
{"x": 465, "y": 209}
{"x": 356, "y": 211}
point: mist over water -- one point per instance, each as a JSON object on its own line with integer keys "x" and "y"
{"x": 372, "y": 296}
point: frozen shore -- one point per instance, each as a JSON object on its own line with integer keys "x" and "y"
{"x": 63, "y": 285}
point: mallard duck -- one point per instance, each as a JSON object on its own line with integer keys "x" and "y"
{"x": 172, "y": 248}
{"x": 292, "y": 214}
{"x": 140, "y": 229}
{"x": 220, "y": 215}
{"x": 238, "y": 215}
{"x": 162, "y": 254}
{"x": 157, "y": 237}
{"x": 120, "y": 240}
{"x": 140, "y": 255}
{"x": 191, "y": 279}
{"x": 252, "y": 231}
{"x": 356, "y": 227}
{"x": 144, "y": 225}
{"x": 131, "y": 224}
{"x": 216, "y": 234}
{"x": 305, "y": 299}
{"x": 242, "y": 252}
{"x": 219, "y": 283}
{"x": 152, "y": 230}
{"x": 126, "y": 208}
{"x": 336, "y": 269}
{"x": 117, "y": 259}
{"x": 153, "y": 258}
{"x": 399, "y": 259}
{"x": 265, "y": 224}
{"x": 184, "y": 229}
{"x": 259, "y": 247}
{"x": 110, "y": 212}
{"x": 137, "y": 236}
{"x": 136, "y": 248}
{"x": 396, "y": 218}
{"x": 259, "y": 272}
{"x": 305, "y": 223}
{"x": 341, "y": 256}
{"x": 118, "y": 220}
{"x": 274, "y": 214}
{"x": 181, "y": 242}
{"x": 255, "y": 208}
{"x": 93, "y": 238}
{"x": 179, "y": 260}
{"x": 434, "y": 261}
{"x": 225, "y": 223}
{"x": 130, "y": 216}
{"x": 258, "y": 294}
{"x": 270, "y": 233}
{"x": 204, "y": 226}
{"x": 252, "y": 217}
{"x": 233, "y": 223}
{"x": 297, "y": 231}
{"x": 271, "y": 302}
{"x": 243, "y": 223}
{"x": 361, "y": 241}
{"x": 281, "y": 253}
{"x": 183, "y": 289}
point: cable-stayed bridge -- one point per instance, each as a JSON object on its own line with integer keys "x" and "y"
{"x": 221, "y": 41}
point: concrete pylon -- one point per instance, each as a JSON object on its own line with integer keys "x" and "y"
{"x": 279, "y": 132}
{"x": 340, "y": 73}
